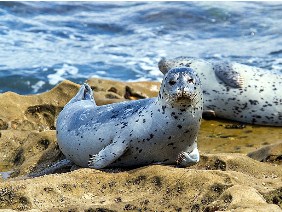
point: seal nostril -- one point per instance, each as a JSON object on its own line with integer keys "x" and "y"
{"x": 191, "y": 80}
{"x": 172, "y": 82}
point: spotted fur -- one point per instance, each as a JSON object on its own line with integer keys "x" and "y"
{"x": 235, "y": 91}
{"x": 156, "y": 130}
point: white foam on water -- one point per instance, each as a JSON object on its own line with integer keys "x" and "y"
{"x": 37, "y": 86}
{"x": 101, "y": 72}
{"x": 58, "y": 76}
{"x": 156, "y": 72}
{"x": 100, "y": 77}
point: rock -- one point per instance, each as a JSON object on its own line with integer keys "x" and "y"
{"x": 34, "y": 112}
{"x": 109, "y": 91}
{"x": 270, "y": 153}
{"x": 240, "y": 199}
{"x": 25, "y": 151}
{"x": 152, "y": 188}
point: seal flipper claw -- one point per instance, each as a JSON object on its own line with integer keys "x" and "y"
{"x": 186, "y": 159}
{"x": 225, "y": 72}
{"x": 107, "y": 155}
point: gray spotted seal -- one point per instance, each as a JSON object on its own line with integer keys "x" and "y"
{"x": 235, "y": 91}
{"x": 156, "y": 130}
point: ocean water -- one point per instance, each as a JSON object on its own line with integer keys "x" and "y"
{"x": 43, "y": 43}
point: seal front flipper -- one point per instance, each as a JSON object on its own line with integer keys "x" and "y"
{"x": 209, "y": 114}
{"x": 108, "y": 155}
{"x": 187, "y": 159}
{"x": 85, "y": 93}
{"x": 225, "y": 72}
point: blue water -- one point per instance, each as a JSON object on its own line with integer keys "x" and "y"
{"x": 43, "y": 43}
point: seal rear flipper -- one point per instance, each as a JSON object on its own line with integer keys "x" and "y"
{"x": 85, "y": 93}
{"x": 53, "y": 168}
{"x": 164, "y": 66}
{"x": 225, "y": 72}
{"x": 108, "y": 155}
{"x": 187, "y": 159}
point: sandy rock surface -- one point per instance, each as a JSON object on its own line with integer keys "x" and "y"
{"x": 240, "y": 167}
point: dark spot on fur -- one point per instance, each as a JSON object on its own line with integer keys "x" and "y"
{"x": 179, "y": 126}
{"x": 163, "y": 108}
{"x": 253, "y": 102}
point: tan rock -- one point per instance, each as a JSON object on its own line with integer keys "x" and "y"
{"x": 109, "y": 91}
{"x": 34, "y": 112}
{"x": 152, "y": 188}
{"x": 241, "y": 198}
{"x": 270, "y": 153}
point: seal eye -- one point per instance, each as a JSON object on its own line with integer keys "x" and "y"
{"x": 191, "y": 80}
{"x": 172, "y": 82}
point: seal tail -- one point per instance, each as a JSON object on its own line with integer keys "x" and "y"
{"x": 163, "y": 66}
{"x": 85, "y": 93}
{"x": 55, "y": 167}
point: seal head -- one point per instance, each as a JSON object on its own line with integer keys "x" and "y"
{"x": 180, "y": 86}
